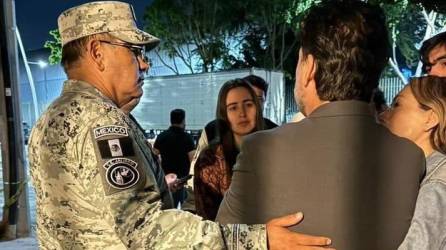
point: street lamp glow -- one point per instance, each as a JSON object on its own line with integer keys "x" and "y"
{"x": 42, "y": 64}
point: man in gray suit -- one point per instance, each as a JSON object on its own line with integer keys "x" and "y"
{"x": 353, "y": 179}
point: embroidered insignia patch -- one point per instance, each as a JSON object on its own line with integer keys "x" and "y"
{"x": 121, "y": 173}
{"x": 110, "y": 130}
{"x": 119, "y": 147}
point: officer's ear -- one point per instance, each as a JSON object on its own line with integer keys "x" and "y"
{"x": 95, "y": 52}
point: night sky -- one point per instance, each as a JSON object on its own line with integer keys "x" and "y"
{"x": 36, "y": 17}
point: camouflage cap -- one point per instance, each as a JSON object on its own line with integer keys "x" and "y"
{"x": 113, "y": 17}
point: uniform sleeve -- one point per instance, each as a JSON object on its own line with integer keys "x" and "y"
{"x": 127, "y": 192}
{"x": 427, "y": 229}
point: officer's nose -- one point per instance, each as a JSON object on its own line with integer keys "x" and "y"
{"x": 144, "y": 64}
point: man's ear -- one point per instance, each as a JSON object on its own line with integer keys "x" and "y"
{"x": 310, "y": 69}
{"x": 95, "y": 53}
{"x": 432, "y": 120}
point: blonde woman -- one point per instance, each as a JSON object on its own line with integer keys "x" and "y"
{"x": 418, "y": 113}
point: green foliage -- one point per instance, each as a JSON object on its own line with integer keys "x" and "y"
{"x": 210, "y": 35}
{"x": 401, "y": 16}
{"x": 297, "y": 11}
{"x": 410, "y": 35}
{"x": 432, "y": 5}
{"x": 407, "y": 26}
{"x": 55, "y": 46}
{"x": 194, "y": 29}
{"x": 225, "y": 34}
{"x": 270, "y": 37}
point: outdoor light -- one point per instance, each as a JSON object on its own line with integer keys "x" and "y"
{"x": 42, "y": 64}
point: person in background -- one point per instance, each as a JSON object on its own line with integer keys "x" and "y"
{"x": 210, "y": 131}
{"x": 171, "y": 179}
{"x": 238, "y": 114}
{"x": 176, "y": 149}
{"x": 433, "y": 55}
{"x": 260, "y": 87}
{"x": 418, "y": 113}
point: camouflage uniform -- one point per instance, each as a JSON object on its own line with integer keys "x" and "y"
{"x": 98, "y": 187}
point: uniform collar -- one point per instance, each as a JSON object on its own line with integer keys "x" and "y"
{"x": 73, "y": 85}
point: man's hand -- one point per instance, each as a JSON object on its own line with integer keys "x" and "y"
{"x": 177, "y": 186}
{"x": 171, "y": 180}
{"x": 173, "y": 183}
{"x": 279, "y": 237}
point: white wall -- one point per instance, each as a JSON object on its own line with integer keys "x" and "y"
{"x": 197, "y": 95}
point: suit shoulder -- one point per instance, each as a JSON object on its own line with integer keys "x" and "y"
{"x": 405, "y": 146}
{"x": 269, "y": 135}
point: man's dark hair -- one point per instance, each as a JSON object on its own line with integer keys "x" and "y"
{"x": 177, "y": 116}
{"x": 258, "y": 82}
{"x": 349, "y": 42}
{"x": 379, "y": 100}
{"x": 428, "y": 46}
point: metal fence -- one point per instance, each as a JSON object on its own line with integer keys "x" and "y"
{"x": 390, "y": 86}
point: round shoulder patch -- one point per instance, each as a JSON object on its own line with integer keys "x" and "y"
{"x": 121, "y": 173}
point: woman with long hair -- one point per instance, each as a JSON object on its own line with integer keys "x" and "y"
{"x": 238, "y": 114}
{"x": 418, "y": 113}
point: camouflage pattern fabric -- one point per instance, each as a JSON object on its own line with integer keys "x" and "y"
{"x": 98, "y": 187}
{"x": 113, "y": 17}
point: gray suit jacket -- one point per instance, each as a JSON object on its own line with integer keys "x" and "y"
{"x": 355, "y": 181}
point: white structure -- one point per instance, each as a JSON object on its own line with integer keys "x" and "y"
{"x": 197, "y": 94}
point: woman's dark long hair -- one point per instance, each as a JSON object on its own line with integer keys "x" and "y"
{"x": 225, "y": 136}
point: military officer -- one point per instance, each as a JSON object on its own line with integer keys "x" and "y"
{"x": 96, "y": 182}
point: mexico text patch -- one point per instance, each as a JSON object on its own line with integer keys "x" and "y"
{"x": 110, "y": 130}
{"x": 121, "y": 173}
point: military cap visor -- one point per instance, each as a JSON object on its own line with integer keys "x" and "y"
{"x": 138, "y": 37}
{"x": 112, "y": 17}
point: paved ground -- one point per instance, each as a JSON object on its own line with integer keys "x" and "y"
{"x": 29, "y": 243}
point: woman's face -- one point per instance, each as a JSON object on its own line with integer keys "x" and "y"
{"x": 406, "y": 118}
{"x": 241, "y": 111}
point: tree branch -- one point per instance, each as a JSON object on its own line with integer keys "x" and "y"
{"x": 166, "y": 64}
{"x": 397, "y": 71}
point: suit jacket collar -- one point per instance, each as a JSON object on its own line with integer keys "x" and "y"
{"x": 342, "y": 108}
